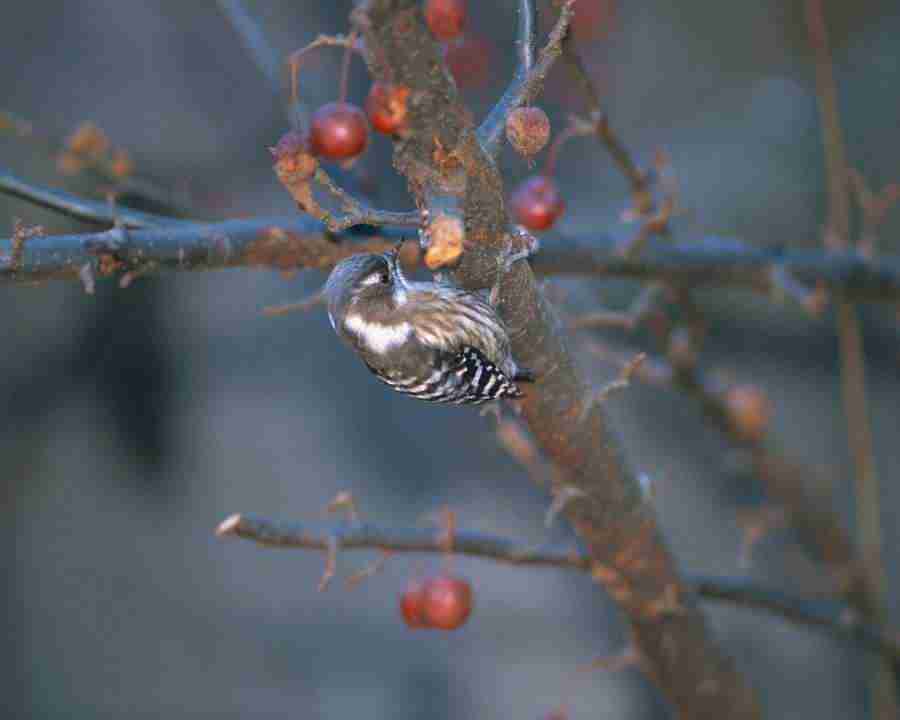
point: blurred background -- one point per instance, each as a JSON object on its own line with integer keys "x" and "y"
{"x": 133, "y": 421}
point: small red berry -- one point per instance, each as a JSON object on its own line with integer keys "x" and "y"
{"x": 536, "y": 203}
{"x": 528, "y": 130}
{"x": 469, "y": 59}
{"x": 386, "y": 107}
{"x": 594, "y": 19}
{"x": 749, "y": 411}
{"x": 448, "y": 602}
{"x": 445, "y": 18}
{"x": 339, "y": 131}
{"x": 412, "y": 604}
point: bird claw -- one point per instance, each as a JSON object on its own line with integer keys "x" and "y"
{"x": 509, "y": 257}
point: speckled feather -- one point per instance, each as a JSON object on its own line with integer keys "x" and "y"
{"x": 432, "y": 341}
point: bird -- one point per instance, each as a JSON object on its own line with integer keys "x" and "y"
{"x": 429, "y": 340}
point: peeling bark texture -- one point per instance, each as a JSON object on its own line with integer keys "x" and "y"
{"x": 441, "y": 157}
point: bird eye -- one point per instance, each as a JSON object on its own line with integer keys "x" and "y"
{"x": 378, "y": 278}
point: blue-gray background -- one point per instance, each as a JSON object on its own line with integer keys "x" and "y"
{"x": 134, "y": 421}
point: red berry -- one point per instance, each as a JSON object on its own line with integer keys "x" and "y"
{"x": 386, "y": 107}
{"x": 412, "y": 604}
{"x": 594, "y": 19}
{"x": 749, "y": 411}
{"x": 536, "y": 203}
{"x": 339, "y": 131}
{"x": 528, "y": 130}
{"x": 469, "y": 59}
{"x": 448, "y": 602}
{"x": 445, "y": 18}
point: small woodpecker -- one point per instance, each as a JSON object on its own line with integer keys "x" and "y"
{"x": 430, "y": 340}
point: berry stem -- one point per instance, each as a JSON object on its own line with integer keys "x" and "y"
{"x": 345, "y": 67}
{"x": 569, "y": 132}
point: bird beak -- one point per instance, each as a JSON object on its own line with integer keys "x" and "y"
{"x": 393, "y": 258}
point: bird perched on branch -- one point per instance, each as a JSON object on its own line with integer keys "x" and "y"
{"x": 430, "y": 340}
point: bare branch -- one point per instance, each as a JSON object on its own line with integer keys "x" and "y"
{"x": 724, "y": 262}
{"x": 491, "y": 128}
{"x": 637, "y": 179}
{"x": 254, "y": 41}
{"x": 786, "y": 483}
{"x": 853, "y": 383}
{"x": 528, "y": 81}
{"x": 341, "y": 210}
{"x": 315, "y": 193}
{"x": 284, "y": 243}
{"x": 77, "y": 207}
{"x": 829, "y": 615}
{"x": 104, "y": 168}
{"x": 713, "y": 261}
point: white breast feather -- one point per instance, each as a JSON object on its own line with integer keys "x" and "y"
{"x": 379, "y": 338}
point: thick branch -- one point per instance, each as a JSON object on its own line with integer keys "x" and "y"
{"x": 713, "y": 261}
{"x": 442, "y": 157}
{"x": 283, "y": 243}
{"x": 832, "y": 616}
{"x": 720, "y": 262}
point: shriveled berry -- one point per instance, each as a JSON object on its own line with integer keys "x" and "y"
{"x": 339, "y": 131}
{"x": 293, "y": 161}
{"x": 537, "y": 203}
{"x": 386, "y": 107}
{"x": 749, "y": 411}
{"x": 412, "y": 604}
{"x": 528, "y": 130}
{"x": 446, "y": 237}
{"x": 445, "y": 18}
{"x": 448, "y": 602}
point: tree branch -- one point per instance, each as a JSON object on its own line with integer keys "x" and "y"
{"x": 254, "y": 41}
{"x": 77, "y": 207}
{"x": 637, "y": 179}
{"x": 712, "y": 261}
{"x": 528, "y": 81}
{"x": 100, "y": 167}
{"x": 853, "y": 382}
{"x": 283, "y": 243}
{"x": 835, "y": 617}
{"x": 442, "y": 158}
{"x": 785, "y": 483}
{"x": 492, "y": 127}
{"x": 724, "y": 262}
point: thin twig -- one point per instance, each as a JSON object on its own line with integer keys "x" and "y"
{"x": 80, "y": 208}
{"x": 102, "y": 169}
{"x": 827, "y": 614}
{"x": 492, "y": 126}
{"x": 345, "y": 211}
{"x": 526, "y": 85}
{"x": 853, "y": 383}
{"x": 254, "y": 41}
{"x": 786, "y": 483}
{"x": 637, "y": 179}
